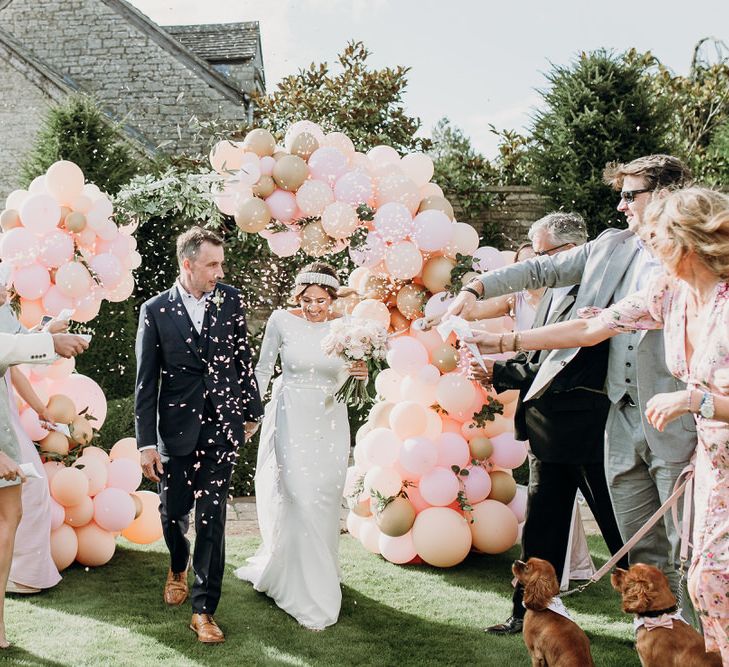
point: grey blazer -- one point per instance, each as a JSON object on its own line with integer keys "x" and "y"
{"x": 598, "y": 267}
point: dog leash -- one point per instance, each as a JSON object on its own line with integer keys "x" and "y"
{"x": 684, "y": 483}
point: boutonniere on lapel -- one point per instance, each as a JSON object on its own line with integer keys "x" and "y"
{"x": 217, "y": 298}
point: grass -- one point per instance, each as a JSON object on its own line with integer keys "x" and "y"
{"x": 391, "y": 615}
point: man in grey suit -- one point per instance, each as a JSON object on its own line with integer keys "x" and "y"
{"x": 642, "y": 464}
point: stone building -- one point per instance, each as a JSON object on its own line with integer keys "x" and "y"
{"x": 151, "y": 79}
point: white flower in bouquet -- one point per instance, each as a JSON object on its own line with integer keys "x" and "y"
{"x": 354, "y": 339}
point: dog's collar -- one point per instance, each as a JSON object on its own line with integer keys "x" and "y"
{"x": 658, "y": 612}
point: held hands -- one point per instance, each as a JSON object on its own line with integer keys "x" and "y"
{"x": 151, "y": 464}
{"x": 358, "y": 370}
{"x": 662, "y": 409}
{"x": 68, "y": 345}
{"x": 9, "y": 469}
{"x": 250, "y": 429}
{"x": 477, "y": 373}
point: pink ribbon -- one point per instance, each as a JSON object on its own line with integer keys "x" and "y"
{"x": 662, "y": 621}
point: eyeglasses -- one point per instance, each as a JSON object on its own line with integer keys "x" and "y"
{"x": 549, "y": 251}
{"x": 628, "y": 196}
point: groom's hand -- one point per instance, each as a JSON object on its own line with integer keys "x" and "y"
{"x": 151, "y": 464}
{"x": 250, "y": 429}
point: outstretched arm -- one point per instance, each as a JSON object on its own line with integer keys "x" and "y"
{"x": 27, "y": 393}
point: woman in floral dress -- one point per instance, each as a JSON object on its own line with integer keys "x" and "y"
{"x": 688, "y": 231}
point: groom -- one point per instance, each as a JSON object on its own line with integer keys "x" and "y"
{"x": 196, "y": 402}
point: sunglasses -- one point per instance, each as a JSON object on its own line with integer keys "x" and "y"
{"x": 548, "y": 251}
{"x": 628, "y": 196}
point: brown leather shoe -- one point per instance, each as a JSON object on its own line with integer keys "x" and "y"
{"x": 176, "y": 589}
{"x": 206, "y": 629}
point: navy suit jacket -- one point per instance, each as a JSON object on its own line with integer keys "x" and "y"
{"x": 179, "y": 370}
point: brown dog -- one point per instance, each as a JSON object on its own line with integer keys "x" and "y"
{"x": 552, "y": 638}
{"x": 661, "y": 641}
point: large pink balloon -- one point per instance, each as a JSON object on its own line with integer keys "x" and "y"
{"x": 32, "y": 281}
{"x": 40, "y": 214}
{"x": 393, "y": 222}
{"x": 387, "y": 384}
{"x": 282, "y": 205}
{"x": 439, "y": 486}
{"x": 284, "y": 244}
{"x": 55, "y": 249}
{"x": 31, "y": 425}
{"x": 87, "y": 307}
{"x": 54, "y": 301}
{"x": 408, "y": 419}
{"x": 398, "y": 550}
{"x": 108, "y": 268}
{"x": 383, "y": 480}
{"x": 406, "y": 355}
{"x": 18, "y": 247}
{"x": 381, "y": 447}
{"x": 403, "y": 260}
{"x": 354, "y": 187}
{"x": 508, "y": 452}
{"x": 438, "y": 304}
{"x": 487, "y": 259}
{"x": 113, "y": 509}
{"x": 452, "y": 450}
{"x": 327, "y": 164}
{"x": 418, "y": 456}
{"x": 124, "y": 474}
{"x": 65, "y": 181}
{"x": 371, "y": 309}
{"x": 432, "y": 230}
{"x": 518, "y": 504}
{"x": 86, "y": 394}
{"x": 418, "y": 167}
{"x": 477, "y": 484}
{"x": 73, "y": 279}
{"x": 417, "y": 390}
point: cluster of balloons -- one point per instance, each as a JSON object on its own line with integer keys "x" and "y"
{"x": 95, "y": 500}
{"x": 63, "y": 248}
{"x": 431, "y": 476}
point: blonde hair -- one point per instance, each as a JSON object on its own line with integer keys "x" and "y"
{"x": 658, "y": 172}
{"x": 694, "y": 219}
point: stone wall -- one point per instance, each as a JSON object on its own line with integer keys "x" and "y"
{"x": 111, "y": 50}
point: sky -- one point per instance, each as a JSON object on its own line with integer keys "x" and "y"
{"x": 476, "y": 62}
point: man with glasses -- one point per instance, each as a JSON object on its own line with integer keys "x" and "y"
{"x": 642, "y": 464}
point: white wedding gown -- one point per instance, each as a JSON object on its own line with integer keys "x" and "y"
{"x": 302, "y": 463}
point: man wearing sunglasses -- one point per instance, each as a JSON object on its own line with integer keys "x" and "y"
{"x": 642, "y": 464}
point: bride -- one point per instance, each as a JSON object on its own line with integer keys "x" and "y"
{"x": 302, "y": 456}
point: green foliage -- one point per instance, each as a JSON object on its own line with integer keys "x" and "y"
{"x": 513, "y": 164}
{"x": 365, "y": 104}
{"x": 78, "y": 130}
{"x": 600, "y": 108}
{"x": 717, "y": 153}
{"x": 119, "y": 423}
{"x": 463, "y": 174}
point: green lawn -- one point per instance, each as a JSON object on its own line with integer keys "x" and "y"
{"x": 391, "y": 616}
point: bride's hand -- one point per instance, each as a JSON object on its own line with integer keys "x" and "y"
{"x": 358, "y": 370}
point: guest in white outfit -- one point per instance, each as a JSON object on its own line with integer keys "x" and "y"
{"x": 302, "y": 457}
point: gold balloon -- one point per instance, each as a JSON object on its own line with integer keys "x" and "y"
{"x": 437, "y": 273}
{"x": 265, "y": 186}
{"x": 398, "y": 321}
{"x": 61, "y": 408}
{"x": 279, "y": 154}
{"x": 437, "y": 204}
{"x": 75, "y": 222}
{"x": 315, "y": 241}
{"x": 397, "y": 518}
{"x": 481, "y": 448}
{"x": 377, "y": 287}
{"x": 260, "y": 142}
{"x": 290, "y": 172}
{"x": 81, "y": 431}
{"x": 303, "y": 145}
{"x": 445, "y": 358}
{"x": 55, "y": 442}
{"x": 253, "y": 215}
{"x": 503, "y": 487}
{"x": 411, "y": 301}
{"x": 9, "y": 219}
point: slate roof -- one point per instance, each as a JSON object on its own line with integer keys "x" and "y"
{"x": 219, "y": 42}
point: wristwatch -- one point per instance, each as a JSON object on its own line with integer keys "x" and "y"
{"x": 706, "y": 407}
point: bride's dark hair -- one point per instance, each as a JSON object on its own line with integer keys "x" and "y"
{"x": 327, "y": 270}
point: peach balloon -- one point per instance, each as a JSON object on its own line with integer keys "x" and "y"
{"x": 65, "y": 181}
{"x": 370, "y": 309}
{"x": 340, "y": 141}
{"x": 354, "y": 523}
{"x": 435, "y": 425}
{"x": 226, "y": 157}
{"x": 79, "y": 515}
{"x": 126, "y": 448}
{"x": 69, "y": 486}
{"x": 31, "y": 425}
{"x": 418, "y": 391}
{"x": 441, "y": 536}
{"x": 64, "y": 546}
{"x": 464, "y": 240}
{"x": 369, "y": 536}
{"x": 114, "y": 509}
{"x": 87, "y": 394}
{"x": 18, "y": 247}
{"x": 408, "y": 419}
{"x": 418, "y": 167}
{"x": 397, "y": 188}
{"x": 339, "y": 220}
{"x": 452, "y": 450}
{"x": 381, "y": 447}
{"x": 439, "y": 486}
{"x": 40, "y": 214}
{"x": 87, "y": 308}
{"x": 31, "y": 313}
{"x": 382, "y": 155}
{"x": 398, "y": 550}
{"x": 406, "y": 355}
{"x": 385, "y": 481}
{"x": 417, "y": 457}
{"x": 96, "y": 453}
{"x": 498, "y": 426}
{"x": 73, "y": 279}
{"x": 146, "y": 528}
{"x": 58, "y": 514}
{"x": 50, "y": 468}
{"x": 494, "y": 527}
{"x": 96, "y": 546}
{"x": 455, "y": 393}
{"x": 55, "y": 443}
{"x": 403, "y": 260}
{"x": 430, "y": 339}
{"x": 95, "y": 470}
{"x": 437, "y": 273}
{"x": 313, "y": 197}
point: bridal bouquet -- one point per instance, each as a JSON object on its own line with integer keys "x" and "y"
{"x": 354, "y": 339}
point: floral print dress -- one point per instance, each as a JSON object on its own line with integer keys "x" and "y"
{"x": 663, "y": 305}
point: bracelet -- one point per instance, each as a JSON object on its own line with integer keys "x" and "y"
{"x": 501, "y": 342}
{"x": 517, "y": 341}
{"x": 471, "y": 290}
{"x": 690, "y": 398}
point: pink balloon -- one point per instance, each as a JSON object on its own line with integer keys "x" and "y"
{"x": 396, "y": 187}
{"x": 73, "y": 279}
{"x": 354, "y": 523}
{"x": 438, "y": 304}
{"x": 113, "y": 509}
{"x": 518, "y": 504}
{"x": 398, "y": 550}
{"x": 455, "y": 393}
{"x": 55, "y": 248}
{"x": 108, "y": 269}
{"x": 381, "y": 447}
{"x": 40, "y": 214}
{"x": 418, "y": 391}
{"x": 370, "y": 253}
{"x": 387, "y": 384}
{"x": 430, "y": 338}
{"x": 487, "y": 259}
{"x": 369, "y": 535}
{"x": 386, "y": 481}
{"x": 18, "y": 247}
{"x": 393, "y": 222}
{"x": 408, "y": 419}
{"x": 439, "y": 487}
{"x": 86, "y": 394}
{"x": 31, "y": 425}
{"x": 31, "y": 282}
{"x": 354, "y": 187}
{"x": 87, "y": 307}
{"x": 406, "y": 355}
{"x": 432, "y": 230}
{"x": 65, "y": 180}
{"x": 123, "y": 290}
{"x": 508, "y": 452}
{"x": 477, "y": 484}
{"x": 418, "y": 167}
{"x": 428, "y": 374}
{"x": 266, "y": 164}
{"x": 381, "y": 156}
{"x": 418, "y": 456}
{"x": 58, "y": 515}
{"x": 327, "y": 164}
{"x": 313, "y": 197}
{"x": 403, "y": 260}
{"x": 284, "y": 244}
{"x": 452, "y": 450}
{"x": 282, "y": 205}
{"x": 124, "y": 474}
{"x": 54, "y": 301}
